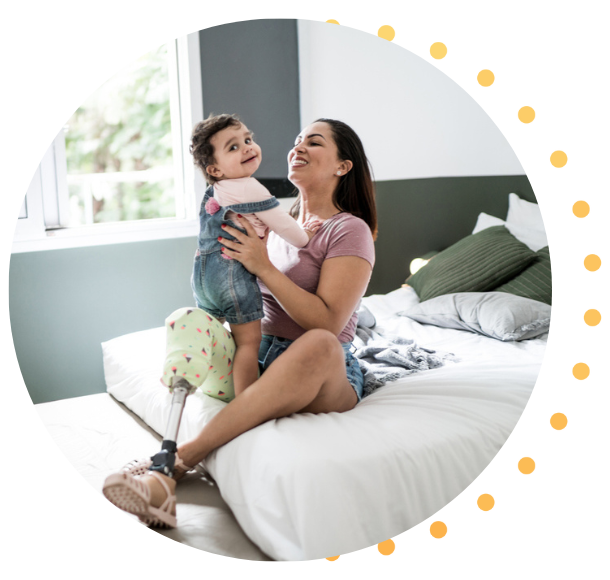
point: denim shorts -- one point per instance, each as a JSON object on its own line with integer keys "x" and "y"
{"x": 225, "y": 289}
{"x": 273, "y": 346}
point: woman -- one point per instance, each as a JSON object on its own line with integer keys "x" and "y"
{"x": 310, "y": 297}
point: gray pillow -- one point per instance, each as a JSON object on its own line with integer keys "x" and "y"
{"x": 495, "y": 314}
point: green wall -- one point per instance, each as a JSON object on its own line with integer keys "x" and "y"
{"x": 64, "y": 303}
{"x": 417, "y": 216}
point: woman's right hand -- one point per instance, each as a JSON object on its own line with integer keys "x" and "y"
{"x": 248, "y": 248}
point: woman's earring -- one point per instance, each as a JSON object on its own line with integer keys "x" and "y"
{"x": 338, "y": 173}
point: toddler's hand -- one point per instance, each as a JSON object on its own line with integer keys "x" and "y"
{"x": 311, "y": 226}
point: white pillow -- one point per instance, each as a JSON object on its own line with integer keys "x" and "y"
{"x": 534, "y": 239}
{"x": 485, "y": 221}
{"x": 524, "y": 214}
{"x": 498, "y": 315}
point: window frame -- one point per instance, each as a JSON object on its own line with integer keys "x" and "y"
{"x": 46, "y": 200}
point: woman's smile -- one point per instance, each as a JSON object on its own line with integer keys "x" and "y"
{"x": 298, "y": 161}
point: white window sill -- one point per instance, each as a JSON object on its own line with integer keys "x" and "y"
{"x": 104, "y": 234}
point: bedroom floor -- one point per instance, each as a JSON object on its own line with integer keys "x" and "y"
{"x": 79, "y": 426}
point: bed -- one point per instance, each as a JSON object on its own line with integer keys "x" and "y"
{"x": 313, "y": 486}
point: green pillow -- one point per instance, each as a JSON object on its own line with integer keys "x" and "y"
{"x": 477, "y": 263}
{"x": 535, "y": 281}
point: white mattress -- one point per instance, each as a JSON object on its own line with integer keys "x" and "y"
{"x": 311, "y": 486}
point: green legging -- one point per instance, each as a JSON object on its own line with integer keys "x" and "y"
{"x": 200, "y": 350}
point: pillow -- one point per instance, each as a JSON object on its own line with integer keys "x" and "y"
{"x": 476, "y": 263}
{"x": 485, "y": 221}
{"x": 534, "y": 239}
{"x": 494, "y": 314}
{"x": 523, "y": 213}
{"x": 534, "y": 282}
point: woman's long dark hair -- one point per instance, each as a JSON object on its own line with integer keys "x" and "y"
{"x": 356, "y": 192}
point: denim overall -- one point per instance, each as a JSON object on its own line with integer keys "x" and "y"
{"x": 222, "y": 287}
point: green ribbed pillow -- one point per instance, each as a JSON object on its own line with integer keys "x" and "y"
{"x": 535, "y": 281}
{"x": 477, "y": 263}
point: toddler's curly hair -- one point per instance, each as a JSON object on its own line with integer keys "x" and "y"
{"x": 200, "y": 148}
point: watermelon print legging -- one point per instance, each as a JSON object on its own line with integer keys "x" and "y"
{"x": 200, "y": 350}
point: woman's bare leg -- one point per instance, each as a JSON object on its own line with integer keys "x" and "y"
{"x": 309, "y": 376}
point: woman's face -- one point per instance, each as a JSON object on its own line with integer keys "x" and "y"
{"x": 314, "y": 157}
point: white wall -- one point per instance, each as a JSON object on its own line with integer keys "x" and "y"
{"x": 413, "y": 120}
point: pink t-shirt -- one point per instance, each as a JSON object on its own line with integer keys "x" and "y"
{"x": 341, "y": 235}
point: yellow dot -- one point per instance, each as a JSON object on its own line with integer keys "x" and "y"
{"x": 581, "y": 371}
{"x": 486, "y": 78}
{"x": 438, "y": 529}
{"x": 386, "y": 32}
{"x": 581, "y": 209}
{"x": 559, "y": 421}
{"x": 526, "y": 114}
{"x": 332, "y": 22}
{"x": 332, "y": 558}
{"x": 438, "y": 50}
{"x": 386, "y": 548}
{"x": 558, "y": 158}
{"x": 593, "y": 317}
{"x": 486, "y": 502}
{"x": 593, "y": 262}
{"x": 526, "y": 465}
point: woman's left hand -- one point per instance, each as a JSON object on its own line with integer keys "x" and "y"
{"x": 248, "y": 249}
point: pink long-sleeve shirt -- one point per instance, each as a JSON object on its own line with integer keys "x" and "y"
{"x": 247, "y": 190}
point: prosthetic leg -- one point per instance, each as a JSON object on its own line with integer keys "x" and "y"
{"x": 199, "y": 354}
{"x": 164, "y": 460}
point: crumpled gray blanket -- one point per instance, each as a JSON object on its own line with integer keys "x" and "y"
{"x": 383, "y": 358}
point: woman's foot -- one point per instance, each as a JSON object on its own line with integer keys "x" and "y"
{"x": 151, "y": 497}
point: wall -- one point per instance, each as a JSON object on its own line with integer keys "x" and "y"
{"x": 413, "y": 120}
{"x": 418, "y": 216}
{"x": 64, "y": 303}
{"x": 251, "y": 68}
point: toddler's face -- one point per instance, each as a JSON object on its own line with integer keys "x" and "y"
{"x": 235, "y": 153}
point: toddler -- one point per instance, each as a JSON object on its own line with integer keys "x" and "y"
{"x": 224, "y": 149}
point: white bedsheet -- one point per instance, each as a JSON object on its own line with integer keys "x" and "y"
{"x": 311, "y": 486}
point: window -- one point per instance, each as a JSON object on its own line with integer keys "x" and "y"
{"x": 120, "y": 170}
